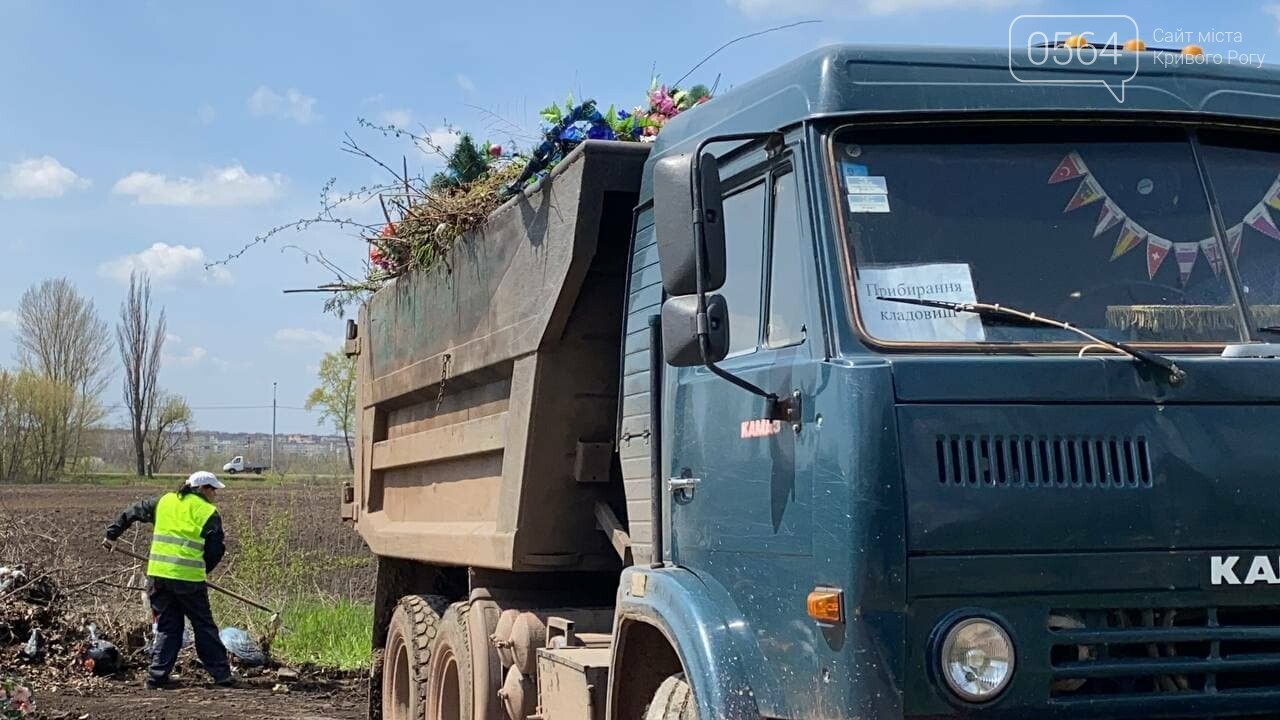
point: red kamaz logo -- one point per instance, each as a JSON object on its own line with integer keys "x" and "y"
{"x": 760, "y": 428}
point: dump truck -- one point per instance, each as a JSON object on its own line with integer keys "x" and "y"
{"x": 887, "y": 385}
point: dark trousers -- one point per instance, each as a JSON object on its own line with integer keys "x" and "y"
{"x": 171, "y": 602}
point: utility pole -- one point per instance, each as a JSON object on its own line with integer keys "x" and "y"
{"x": 273, "y": 425}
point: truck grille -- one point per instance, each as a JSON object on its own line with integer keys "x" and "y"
{"x": 1030, "y": 461}
{"x": 1136, "y": 652}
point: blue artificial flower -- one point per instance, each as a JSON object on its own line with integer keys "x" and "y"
{"x": 600, "y": 131}
{"x": 545, "y": 148}
{"x": 623, "y": 114}
{"x": 595, "y": 116}
{"x": 573, "y": 133}
{"x": 636, "y": 132}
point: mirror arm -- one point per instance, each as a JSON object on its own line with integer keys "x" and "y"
{"x": 777, "y": 410}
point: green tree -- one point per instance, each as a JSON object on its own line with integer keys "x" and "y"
{"x": 466, "y": 164}
{"x": 335, "y": 397}
{"x": 172, "y": 428}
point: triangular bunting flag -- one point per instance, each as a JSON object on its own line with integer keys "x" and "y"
{"x": 1209, "y": 246}
{"x": 1187, "y": 253}
{"x": 1108, "y": 217}
{"x": 1130, "y": 236}
{"x": 1157, "y": 249}
{"x": 1088, "y": 192}
{"x": 1258, "y": 219}
{"x": 1233, "y": 239}
{"x": 1072, "y": 166}
{"x": 1272, "y": 197}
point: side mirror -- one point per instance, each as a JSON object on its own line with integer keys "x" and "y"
{"x": 680, "y": 330}
{"x": 674, "y": 218}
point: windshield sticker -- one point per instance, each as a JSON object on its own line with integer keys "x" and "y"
{"x": 882, "y": 290}
{"x": 853, "y": 169}
{"x": 868, "y": 203}
{"x": 866, "y": 185}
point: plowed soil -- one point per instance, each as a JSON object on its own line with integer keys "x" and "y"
{"x": 56, "y": 529}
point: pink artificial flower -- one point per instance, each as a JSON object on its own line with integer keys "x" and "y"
{"x": 22, "y": 694}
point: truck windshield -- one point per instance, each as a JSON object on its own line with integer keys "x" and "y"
{"x": 1108, "y": 228}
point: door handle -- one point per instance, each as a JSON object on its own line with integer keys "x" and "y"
{"x": 683, "y": 487}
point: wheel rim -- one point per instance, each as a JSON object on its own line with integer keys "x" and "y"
{"x": 446, "y": 687}
{"x": 400, "y": 682}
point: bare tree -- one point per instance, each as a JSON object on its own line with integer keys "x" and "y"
{"x": 62, "y": 338}
{"x": 140, "y": 336}
{"x": 173, "y": 422}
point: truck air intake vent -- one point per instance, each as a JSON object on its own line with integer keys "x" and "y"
{"x": 1030, "y": 461}
{"x": 1132, "y": 654}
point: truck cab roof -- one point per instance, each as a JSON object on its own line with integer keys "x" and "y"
{"x": 867, "y": 80}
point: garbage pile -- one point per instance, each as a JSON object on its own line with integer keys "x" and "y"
{"x": 44, "y": 641}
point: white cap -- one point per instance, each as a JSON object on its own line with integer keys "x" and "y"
{"x": 204, "y": 478}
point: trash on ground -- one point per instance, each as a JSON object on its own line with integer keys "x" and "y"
{"x": 239, "y": 644}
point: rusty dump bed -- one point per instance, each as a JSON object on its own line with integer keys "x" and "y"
{"x": 488, "y": 390}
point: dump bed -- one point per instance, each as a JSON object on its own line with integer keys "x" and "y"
{"x": 488, "y": 387}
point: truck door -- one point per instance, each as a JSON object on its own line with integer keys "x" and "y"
{"x": 742, "y": 488}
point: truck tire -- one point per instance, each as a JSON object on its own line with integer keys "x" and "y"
{"x": 672, "y": 701}
{"x": 427, "y": 662}
{"x": 232, "y": 471}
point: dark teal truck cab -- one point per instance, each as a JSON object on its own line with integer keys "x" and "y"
{"x": 885, "y": 498}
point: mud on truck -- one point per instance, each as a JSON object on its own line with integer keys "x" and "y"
{"x": 883, "y": 386}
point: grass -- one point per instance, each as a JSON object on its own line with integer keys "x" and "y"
{"x": 283, "y": 560}
{"x": 334, "y": 634}
{"x": 321, "y": 631}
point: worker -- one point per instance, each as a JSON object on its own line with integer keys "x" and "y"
{"x": 186, "y": 544}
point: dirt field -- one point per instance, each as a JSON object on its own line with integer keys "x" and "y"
{"x": 281, "y": 539}
{"x": 129, "y": 702}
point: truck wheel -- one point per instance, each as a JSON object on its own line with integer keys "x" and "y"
{"x": 673, "y": 701}
{"x": 232, "y": 471}
{"x": 450, "y": 681}
{"x": 427, "y": 663}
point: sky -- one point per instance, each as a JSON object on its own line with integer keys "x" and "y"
{"x": 163, "y": 136}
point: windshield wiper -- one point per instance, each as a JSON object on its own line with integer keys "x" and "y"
{"x": 1010, "y": 316}
{"x": 1270, "y": 329}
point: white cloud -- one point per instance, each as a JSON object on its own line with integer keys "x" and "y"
{"x": 167, "y": 265}
{"x": 465, "y": 82}
{"x": 373, "y": 99}
{"x": 172, "y": 339}
{"x": 1274, "y": 11}
{"x": 847, "y": 8}
{"x": 8, "y": 318}
{"x": 445, "y": 138}
{"x": 400, "y": 118}
{"x": 303, "y": 338}
{"x": 206, "y": 114}
{"x": 292, "y": 105}
{"x": 218, "y": 187}
{"x": 38, "y": 178}
{"x": 189, "y": 358}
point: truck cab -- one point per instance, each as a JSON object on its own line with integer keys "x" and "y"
{"x": 936, "y": 394}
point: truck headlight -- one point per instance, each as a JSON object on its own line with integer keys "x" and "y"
{"x": 977, "y": 659}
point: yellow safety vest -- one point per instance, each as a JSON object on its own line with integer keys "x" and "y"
{"x": 177, "y": 550}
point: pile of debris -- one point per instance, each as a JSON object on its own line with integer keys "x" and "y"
{"x": 44, "y": 641}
